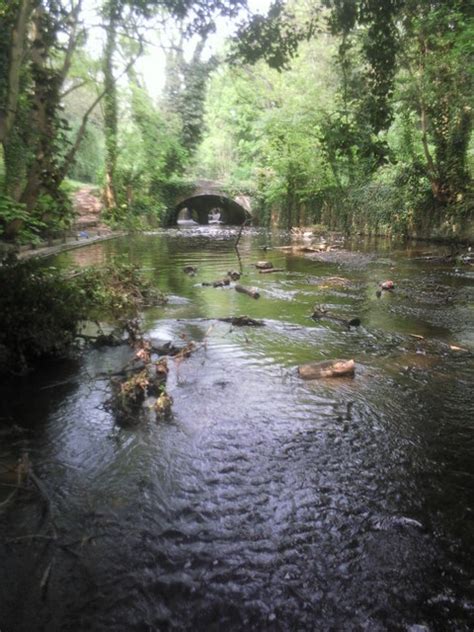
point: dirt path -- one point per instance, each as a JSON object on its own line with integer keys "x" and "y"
{"x": 88, "y": 207}
{"x": 87, "y": 228}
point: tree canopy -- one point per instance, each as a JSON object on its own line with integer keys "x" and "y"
{"x": 356, "y": 113}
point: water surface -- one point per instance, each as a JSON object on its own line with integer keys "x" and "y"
{"x": 267, "y": 502}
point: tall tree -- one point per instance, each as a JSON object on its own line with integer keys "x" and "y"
{"x": 425, "y": 44}
{"x": 111, "y": 18}
{"x": 37, "y": 56}
{"x": 37, "y": 44}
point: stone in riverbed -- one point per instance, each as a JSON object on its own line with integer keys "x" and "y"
{"x": 327, "y": 368}
{"x": 191, "y": 270}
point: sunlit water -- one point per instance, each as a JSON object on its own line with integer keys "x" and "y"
{"x": 267, "y": 502}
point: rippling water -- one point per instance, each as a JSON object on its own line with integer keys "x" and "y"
{"x": 266, "y": 503}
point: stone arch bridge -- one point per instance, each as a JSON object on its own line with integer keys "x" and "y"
{"x": 207, "y": 202}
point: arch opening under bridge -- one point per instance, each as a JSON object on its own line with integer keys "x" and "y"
{"x": 208, "y": 204}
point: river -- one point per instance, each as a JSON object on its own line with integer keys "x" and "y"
{"x": 266, "y": 502}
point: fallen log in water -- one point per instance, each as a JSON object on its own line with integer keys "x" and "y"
{"x": 327, "y": 368}
{"x": 242, "y": 321}
{"x": 252, "y": 292}
{"x": 267, "y": 270}
{"x": 321, "y": 314}
{"x": 219, "y": 283}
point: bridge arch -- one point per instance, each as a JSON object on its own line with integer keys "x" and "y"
{"x": 208, "y": 203}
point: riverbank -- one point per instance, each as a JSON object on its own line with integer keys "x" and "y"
{"x": 68, "y": 243}
{"x": 46, "y": 249}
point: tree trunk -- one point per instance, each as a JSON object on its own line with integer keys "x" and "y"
{"x": 16, "y": 53}
{"x": 45, "y": 102}
{"x": 430, "y": 166}
{"x": 110, "y": 107}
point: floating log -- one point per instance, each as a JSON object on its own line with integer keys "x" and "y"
{"x": 252, "y": 292}
{"x": 243, "y": 321}
{"x": 327, "y": 368}
{"x": 267, "y": 270}
{"x": 264, "y": 265}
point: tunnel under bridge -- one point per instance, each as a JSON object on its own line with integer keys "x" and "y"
{"x": 208, "y": 203}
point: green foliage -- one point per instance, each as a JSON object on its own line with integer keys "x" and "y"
{"x": 14, "y": 213}
{"x": 55, "y": 211}
{"x": 265, "y": 130}
{"x": 41, "y": 310}
{"x": 150, "y": 163}
{"x": 358, "y": 110}
{"x": 115, "y": 293}
{"x": 378, "y": 143}
{"x": 39, "y": 314}
{"x": 274, "y": 38}
{"x": 185, "y": 92}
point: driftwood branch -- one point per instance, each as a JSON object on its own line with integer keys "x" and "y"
{"x": 239, "y": 234}
{"x": 252, "y": 292}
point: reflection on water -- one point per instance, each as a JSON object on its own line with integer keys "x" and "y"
{"x": 267, "y": 503}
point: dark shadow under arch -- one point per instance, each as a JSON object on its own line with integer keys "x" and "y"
{"x": 201, "y": 207}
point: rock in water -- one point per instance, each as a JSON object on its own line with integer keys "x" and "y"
{"x": 327, "y": 368}
{"x": 264, "y": 265}
{"x": 191, "y": 270}
{"x": 242, "y": 321}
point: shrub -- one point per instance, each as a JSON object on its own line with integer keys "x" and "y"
{"x": 41, "y": 310}
{"x": 39, "y": 313}
{"x": 12, "y": 213}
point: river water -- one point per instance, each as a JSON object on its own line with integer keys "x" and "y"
{"x": 266, "y": 502}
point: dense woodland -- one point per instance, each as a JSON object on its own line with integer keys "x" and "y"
{"x": 350, "y": 114}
